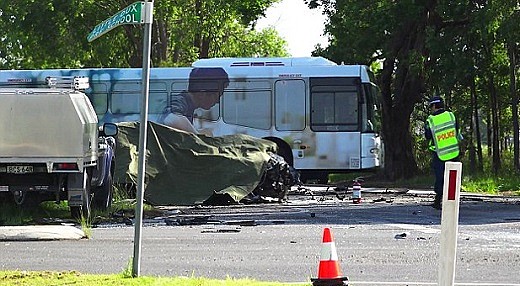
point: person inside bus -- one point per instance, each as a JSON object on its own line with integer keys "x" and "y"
{"x": 205, "y": 87}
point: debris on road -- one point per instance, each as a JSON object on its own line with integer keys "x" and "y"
{"x": 403, "y": 235}
{"x": 220, "y": 230}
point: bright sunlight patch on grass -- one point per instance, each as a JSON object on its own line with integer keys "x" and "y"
{"x": 47, "y": 278}
{"x": 492, "y": 185}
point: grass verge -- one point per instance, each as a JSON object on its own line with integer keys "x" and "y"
{"x": 503, "y": 184}
{"x": 53, "y": 212}
{"x": 47, "y": 278}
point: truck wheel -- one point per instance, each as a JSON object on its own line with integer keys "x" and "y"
{"x": 84, "y": 211}
{"x": 103, "y": 195}
{"x": 26, "y": 199}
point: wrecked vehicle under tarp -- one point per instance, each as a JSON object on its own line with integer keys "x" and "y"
{"x": 185, "y": 169}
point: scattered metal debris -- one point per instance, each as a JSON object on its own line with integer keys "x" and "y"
{"x": 220, "y": 230}
{"x": 192, "y": 220}
{"x": 403, "y": 235}
{"x": 241, "y": 222}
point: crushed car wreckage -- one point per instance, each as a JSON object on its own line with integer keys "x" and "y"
{"x": 186, "y": 169}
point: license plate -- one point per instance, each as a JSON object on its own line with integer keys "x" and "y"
{"x": 19, "y": 169}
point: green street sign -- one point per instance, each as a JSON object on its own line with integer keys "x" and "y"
{"x": 133, "y": 14}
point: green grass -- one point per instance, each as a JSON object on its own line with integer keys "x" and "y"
{"x": 47, "y": 278}
{"x": 48, "y": 211}
{"x": 12, "y": 214}
{"x": 374, "y": 180}
{"x": 507, "y": 184}
{"x": 500, "y": 185}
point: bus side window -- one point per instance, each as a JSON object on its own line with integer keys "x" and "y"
{"x": 130, "y": 102}
{"x": 334, "y": 108}
{"x": 157, "y": 102}
{"x": 290, "y": 105}
{"x": 98, "y": 96}
{"x": 247, "y": 108}
{"x": 127, "y": 97}
{"x": 372, "y": 113}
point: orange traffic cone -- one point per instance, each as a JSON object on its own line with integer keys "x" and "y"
{"x": 329, "y": 273}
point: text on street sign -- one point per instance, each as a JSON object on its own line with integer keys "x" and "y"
{"x": 133, "y": 14}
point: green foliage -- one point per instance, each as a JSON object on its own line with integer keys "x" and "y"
{"x": 265, "y": 43}
{"x": 86, "y": 225}
{"x": 506, "y": 182}
{"x": 127, "y": 272}
{"x": 11, "y": 214}
{"x": 455, "y": 49}
{"x": 52, "y": 34}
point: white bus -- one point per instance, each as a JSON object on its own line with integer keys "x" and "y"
{"x": 322, "y": 116}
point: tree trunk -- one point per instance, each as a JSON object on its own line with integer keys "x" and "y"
{"x": 160, "y": 48}
{"x": 136, "y": 58}
{"x": 197, "y": 41}
{"x": 399, "y": 159}
{"x": 471, "y": 141}
{"x": 514, "y": 104}
{"x": 476, "y": 124}
{"x": 401, "y": 87}
{"x": 489, "y": 134}
{"x": 495, "y": 125}
{"x": 204, "y": 48}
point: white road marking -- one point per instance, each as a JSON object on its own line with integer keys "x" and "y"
{"x": 416, "y": 227}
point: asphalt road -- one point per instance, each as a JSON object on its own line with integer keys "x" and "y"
{"x": 389, "y": 239}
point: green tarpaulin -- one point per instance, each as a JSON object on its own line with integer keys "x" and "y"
{"x": 185, "y": 169}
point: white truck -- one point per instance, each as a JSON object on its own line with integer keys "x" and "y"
{"x": 51, "y": 147}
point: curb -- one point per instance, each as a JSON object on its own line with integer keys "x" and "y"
{"x": 40, "y": 232}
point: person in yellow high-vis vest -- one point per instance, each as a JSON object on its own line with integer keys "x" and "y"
{"x": 442, "y": 133}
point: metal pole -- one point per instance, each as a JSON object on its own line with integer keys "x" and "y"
{"x": 148, "y": 18}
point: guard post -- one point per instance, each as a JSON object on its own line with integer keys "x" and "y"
{"x": 449, "y": 223}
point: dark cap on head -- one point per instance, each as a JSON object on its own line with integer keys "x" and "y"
{"x": 208, "y": 79}
{"x": 437, "y": 100}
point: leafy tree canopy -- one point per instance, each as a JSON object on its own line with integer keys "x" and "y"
{"x": 52, "y": 34}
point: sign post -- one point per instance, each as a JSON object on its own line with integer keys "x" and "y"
{"x": 143, "y": 126}
{"x": 137, "y": 13}
{"x": 449, "y": 223}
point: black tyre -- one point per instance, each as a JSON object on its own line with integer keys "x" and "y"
{"x": 103, "y": 195}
